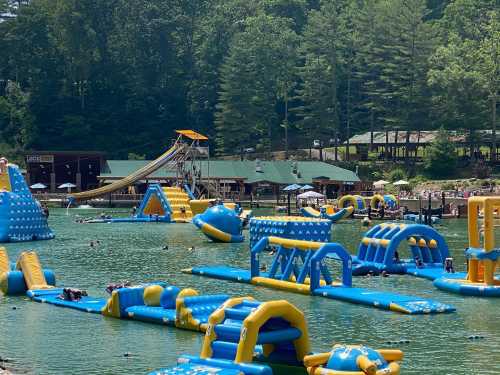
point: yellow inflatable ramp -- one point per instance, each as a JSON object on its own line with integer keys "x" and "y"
{"x": 5, "y": 181}
{"x": 179, "y": 204}
{"x": 4, "y": 261}
{"x": 29, "y": 264}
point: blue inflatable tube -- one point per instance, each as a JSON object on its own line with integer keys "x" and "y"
{"x": 12, "y": 282}
{"x": 466, "y": 289}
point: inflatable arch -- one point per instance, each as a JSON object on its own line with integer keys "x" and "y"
{"x": 390, "y": 200}
{"x": 377, "y": 250}
{"x": 356, "y": 201}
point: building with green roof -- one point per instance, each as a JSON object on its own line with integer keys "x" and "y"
{"x": 239, "y": 178}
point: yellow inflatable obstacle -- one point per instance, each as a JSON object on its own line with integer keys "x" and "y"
{"x": 328, "y": 212}
{"x": 34, "y": 277}
{"x": 4, "y": 261}
{"x": 483, "y": 256}
{"x": 388, "y": 199}
{"x": 356, "y": 201}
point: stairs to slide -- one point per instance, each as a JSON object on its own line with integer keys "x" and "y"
{"x": 178, "y": 201}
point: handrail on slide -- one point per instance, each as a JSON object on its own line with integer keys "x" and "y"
{"x": 132, "y": 178}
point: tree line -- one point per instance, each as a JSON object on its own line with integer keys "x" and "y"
{"x": 121, "y": 75}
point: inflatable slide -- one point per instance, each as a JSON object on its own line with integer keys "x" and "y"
{"x": 159, "y": 205}
{"x": 171, "y": 155}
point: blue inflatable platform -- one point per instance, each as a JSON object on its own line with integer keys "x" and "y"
{"x": 52, "y": 296}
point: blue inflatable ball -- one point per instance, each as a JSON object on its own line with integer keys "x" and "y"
{"x": 222, "y": 218}
{"x": 168, "y": 297}
{"x": 343, "y": 358}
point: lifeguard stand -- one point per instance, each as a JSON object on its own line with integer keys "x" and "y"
{"x": 482, "y": 256}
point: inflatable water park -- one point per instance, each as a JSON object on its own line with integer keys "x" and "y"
{"x": 22, "y": 217}
{"x": 289, "y": 254}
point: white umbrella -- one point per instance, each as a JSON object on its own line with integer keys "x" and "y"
{"x": 38, "y": 186}
{"x": 380, "y": 183}
{"x": 307, "y": 187}
{"x": 310, "y": 194}
{"x": 67, "y": 185}
{"x": 401, "y": 183}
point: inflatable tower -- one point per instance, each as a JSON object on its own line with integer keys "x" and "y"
{"x": 21, "y": 216}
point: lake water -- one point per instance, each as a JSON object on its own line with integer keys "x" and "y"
{"x": 44, "y": 339}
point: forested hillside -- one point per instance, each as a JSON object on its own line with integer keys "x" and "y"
{"x": 120, "y": 75}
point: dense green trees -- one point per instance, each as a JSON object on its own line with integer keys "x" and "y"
{"x": 120, "y": 75}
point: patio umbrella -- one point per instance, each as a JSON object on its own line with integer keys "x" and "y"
{"x": 38, "y": 186}
{"x": 292, "y": 187}
{"x": 307, "y": 187}
{"x": 67, "y": 185}
{"x": 310, "y": 194}
{"x": 401, "y": 183}
{"x": 289, "y": 189}
{"x": 380, "y": 183}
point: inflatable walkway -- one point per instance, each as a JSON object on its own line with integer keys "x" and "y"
{"x": 299, "y": 267}
{"x": 420, "y": 219}
{"x": 378, "y": 251}
{"x": 21, "y": 215}
{"x": 157, "y": 303}
{"x": 327, "y": 212}
{"x": 250, "y": 337}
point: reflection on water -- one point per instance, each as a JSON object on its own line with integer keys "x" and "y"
{"x": 43, "y": 339}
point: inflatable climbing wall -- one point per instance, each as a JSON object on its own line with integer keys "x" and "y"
{"x": 21, "y": 216}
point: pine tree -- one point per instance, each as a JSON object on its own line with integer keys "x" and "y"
{"x": 253, "y": 75}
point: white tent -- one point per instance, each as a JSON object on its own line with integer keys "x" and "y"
{"x": 310, "y": 194}
{"x": 38, "y": 186}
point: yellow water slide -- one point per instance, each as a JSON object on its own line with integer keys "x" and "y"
{"x": 136, "y": 176}
{"x": 4, "y": 176}
{"x": 31, "y": 268}
{"x": 4, "y": 261}
{"x": 179, "y": 204}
